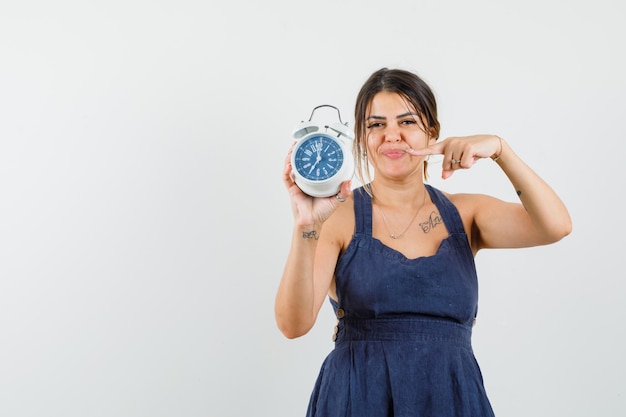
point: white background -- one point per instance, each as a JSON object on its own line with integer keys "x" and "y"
{"x": 144, "y": 225}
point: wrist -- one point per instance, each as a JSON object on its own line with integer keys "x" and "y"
{"x": 498, "y": 153}
{"x": 307, "y": 232}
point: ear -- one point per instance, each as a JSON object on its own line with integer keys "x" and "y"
{"x": 432, "y": 134}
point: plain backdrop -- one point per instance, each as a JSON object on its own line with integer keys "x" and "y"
{"x": 144, "y": 225}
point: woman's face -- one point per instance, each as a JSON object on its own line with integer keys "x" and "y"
{"x": 392, "y": 125}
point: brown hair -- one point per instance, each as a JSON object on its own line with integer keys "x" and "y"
{"x": 409, "y": 86}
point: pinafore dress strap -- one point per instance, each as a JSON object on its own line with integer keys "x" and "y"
{"x": 448, "y": 211}
{"x": 362, "y": 212}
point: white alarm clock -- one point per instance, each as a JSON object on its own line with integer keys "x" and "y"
{"x": 322, "y": 157}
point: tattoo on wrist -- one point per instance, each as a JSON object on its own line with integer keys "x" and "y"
{"x": 433, "y": 220}
{"x": 310, "y": 235}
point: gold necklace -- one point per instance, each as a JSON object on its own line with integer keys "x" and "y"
{"x": 393, "y": 235}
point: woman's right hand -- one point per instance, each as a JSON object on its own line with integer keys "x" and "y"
{"x": 307, "y": 210}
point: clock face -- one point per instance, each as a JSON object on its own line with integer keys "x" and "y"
{"x": 318, "y": 157}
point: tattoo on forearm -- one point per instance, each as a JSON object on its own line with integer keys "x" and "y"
{"x": 519, "y": 192}
{"x": 433, "y": 220}
{"x": 310, "y": 235}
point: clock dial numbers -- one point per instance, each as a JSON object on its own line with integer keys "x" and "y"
{"x": 319, "y": 157}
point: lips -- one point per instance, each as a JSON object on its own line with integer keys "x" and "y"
{"x": 394, "y": 153}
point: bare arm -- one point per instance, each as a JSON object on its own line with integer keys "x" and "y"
{"x": 305, "y": 281}
{"x": 310, "y": 265}
{"x": 540, "y": 219}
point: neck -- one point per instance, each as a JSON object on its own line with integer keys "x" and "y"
{"x": 400, "y": 204}
{"x": 399, "y": 195}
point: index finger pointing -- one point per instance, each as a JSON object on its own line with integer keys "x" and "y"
{"x": 436, "y": 149}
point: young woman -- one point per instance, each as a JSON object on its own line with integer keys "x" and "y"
{"x": 396, "y": 259}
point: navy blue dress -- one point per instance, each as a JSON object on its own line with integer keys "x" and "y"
{"x": 403, "y": 338}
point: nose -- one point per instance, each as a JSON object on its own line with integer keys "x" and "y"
{"x": 392, "y": 134}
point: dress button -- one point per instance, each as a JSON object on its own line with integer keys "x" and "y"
{"x": 340, "y": 313}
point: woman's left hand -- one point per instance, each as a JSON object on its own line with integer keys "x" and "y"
{"x": 462, "y": 152}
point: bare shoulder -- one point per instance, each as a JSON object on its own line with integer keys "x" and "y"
{"x": 468, "y": 201}
{"x": 490, "y": 221}
{"x": 340, "y": 226}
{"x": 469, "y": 204}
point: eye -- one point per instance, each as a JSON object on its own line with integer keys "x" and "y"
{"x": 408, "y": 122}
{"x": 374, "y": 125}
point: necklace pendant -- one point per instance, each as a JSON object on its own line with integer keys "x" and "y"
{"x": 393, "y": 236}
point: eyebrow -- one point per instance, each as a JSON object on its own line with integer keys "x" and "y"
{"x": 400, "y": 116}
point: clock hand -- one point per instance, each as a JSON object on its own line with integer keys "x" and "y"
{"x": 319, "y": 158}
